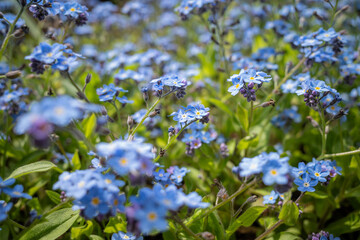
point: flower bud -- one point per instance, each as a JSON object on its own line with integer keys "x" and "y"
{"x": 88, "y": 78}
{"x": 13, "y": 74}
{"x": 130, "y": 122}
{"x": 313, "y": 122}
{"x": 207, "y": 236}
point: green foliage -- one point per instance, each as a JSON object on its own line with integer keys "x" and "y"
{"x": 51, "y": 226}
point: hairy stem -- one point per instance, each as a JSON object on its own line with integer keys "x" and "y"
{"x": 131, "y": 135}
{"x": 333, "y": 155}
{"x": 171, "y": 141}
{"x": 242, "y": 189}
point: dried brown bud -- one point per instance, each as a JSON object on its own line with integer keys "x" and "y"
{"x": 269, "y": 103}
{"x": 207, "y": 236}
{"x": 162, "y": 152}
{"x": 13, "y": 74}
{"x": 318, "y": 16}
{"x": 130, "y": 122}
{"x": 1, "y": 15}
{"x": 313, "y": 122}
{"x": 155, "y": 112}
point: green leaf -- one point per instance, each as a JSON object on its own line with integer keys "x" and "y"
{"x": 318, "y": 194}
{"x": 54, "y": 196}
{"x": 41, "y": 166}
{"x": 76, "y": 160}
{"x": 246, "y": 219}
{"x": 115, "y": 225}
{"x": 89, "y": 125}
{"x": 216, "y": 226}
{"x": 289, "y": 213}
{"x": 243, "y": 116}
{"x": 95, "y": 237}
{"x": 221, "y": 106}
{"x": 35, "y": 204}
{"x": 350, "y": 223}
{"x": 77, "y": 232}
{"x": 51, "y": 226}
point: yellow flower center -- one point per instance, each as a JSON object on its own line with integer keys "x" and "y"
{"x": 237, "y": 86}
{"x": 95, "y": 201}
{"x": 123, "y": 161}
{"x": 273, "y": 172}
{"x": 317, "y": 174}
{"x": 59, "y": 110}
{"x": 252, "y": 78}
{"x": 108, "y": 181}
{"x": 152, "y": 216}
{"x": 317, "y": 88}
{"x": 306, "y": 184}
{"x": 72, "y": 9}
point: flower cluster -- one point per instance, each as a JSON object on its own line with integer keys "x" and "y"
{"x": 125, "y": 157}
{"x": 174, "y": 83}
{"x": 108, "y": 92}
{"x": 173, "y": 176}
{"x": 272, "y": 197}
{"x": 275, "y": 169}
{"x": 52, "y": 55}
{"x": 94, "y": 193}
{"x": 150, "y": 208}
{"x": 245, "y": 81}
{"x": 197, "y": 137}
{"x": 71, "y": 11}
{"x": 315, "y": 91}
{"x": 191, "y": 113}
{"x": 308, "y": 175}
{"x": 199, "y": 6}
{"x": 14, "y": 193}
{"x": 43, "y": 116}
{"x": 322, "y": 235}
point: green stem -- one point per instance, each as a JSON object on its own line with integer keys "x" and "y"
{"x": 15, "y": 223}
{"x": 269, "y": 230}
{"x": 242, "y": 189}
{"x": 251, "y": 116}
{"x": 187, "y": 230}
{"x": 80, "y": 93}
{"x": 5, "y": 147}
{"x": 60, "y": 146}
{"x": 323, "y": 133}
{"x": 172, "y": 140}
{"x": 333, "y": 155}
{"x": 11, "y": 29}
{"x": 131, "y": 135}
{"x": 287, "y": 76}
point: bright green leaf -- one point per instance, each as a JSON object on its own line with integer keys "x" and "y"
{"x": 54, "y": 196}
{"x": 89, "y": 125}
{"x": 115, "y": 225}
{"x": 77, "y": 232}
{"x": 246, "y": 219}
{"x": 51, "y": 226}
{"x": 76, "y": 160}
{"x": 41, "y": 166}
{"x": 289, "y": 213}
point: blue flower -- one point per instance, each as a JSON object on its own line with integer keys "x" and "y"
{"x": 275, "y": 172}
{"x": 73, "y": 9}
{"x": 16, "y": 192}
{"x": 123, "y": 162}
{"x": 47, "y": 53}
{"x": 178, "y": 174}
{"x": 300, "y": 170}
{"x": 271, "y": 199}
{"x": 4, "y": 208}
{"x": 250, "y": 166}
{"x": 161, "y": 175}
{"x": 6, "y": 183}
{"x": 306, "y": 184}
{"x": 151, "y": 218}
{"x": 94, "y": 202}
{"x": 125, "y": 236}
{"x": 318, "y": 173}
